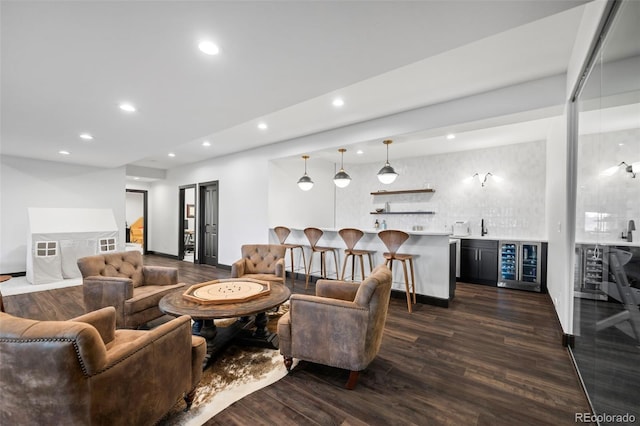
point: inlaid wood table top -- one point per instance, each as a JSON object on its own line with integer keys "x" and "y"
{"x": 176, "y": 304}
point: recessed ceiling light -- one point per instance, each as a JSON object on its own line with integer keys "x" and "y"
{"x": 206, "y": 143}
{"x": 209, "y": 48}
{"x": 86, "y": 136}
{"x": 359, "y": 152}
{"x": 63, "y": 152}
{"x": 136, "y": 178}
{"x": 263, "y": 126}
{"x": 127, "y": 107}
{"x": 451, "y": 136}
{"x": 171, "y": 154}
{"x": 338, "y": 102}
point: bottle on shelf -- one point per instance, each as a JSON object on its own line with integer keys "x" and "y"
{"x": 376, "y": 224}
{"x": 384, "y": 224}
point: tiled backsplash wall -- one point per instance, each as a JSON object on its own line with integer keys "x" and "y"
{"x": 605, "y": 204}
{"x": 514, "y": 207}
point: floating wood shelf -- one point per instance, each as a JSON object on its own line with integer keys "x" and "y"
{"x": 403, "y": 212}
{"x": 404, "y": 191}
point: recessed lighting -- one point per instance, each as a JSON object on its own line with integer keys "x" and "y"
{"x": 63, "y": 152}
{"x": 86, "y": 136}
{"x": 136, "y": 178}
{"x": 359, "y": 152}
{"x": 171, "y": 154}
{"x": 338, "y": 102}
{"x": 127, "y": 107}
{"x": 206, "y": 143}
{"x": 451, "y": 136}
{"x": 263, "y": 126}
{"x": 209, "y": 48}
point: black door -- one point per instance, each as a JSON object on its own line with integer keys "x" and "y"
{"x": 209, "y": 223}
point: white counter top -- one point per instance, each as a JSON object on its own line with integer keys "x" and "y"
{"x": 502, "y": 238}
{"x": 621, "y": 243}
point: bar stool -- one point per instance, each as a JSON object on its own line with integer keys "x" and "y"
{"x": 393, "y": 239}
{"x": 351, "y": 236}
{"x": 282, "y": 232}
{"x": 313, "y": 235}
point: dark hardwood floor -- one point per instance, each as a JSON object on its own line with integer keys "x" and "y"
{"x": 493, "y": 357}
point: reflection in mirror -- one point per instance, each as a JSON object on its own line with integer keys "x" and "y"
{"x": 607, "y": 270}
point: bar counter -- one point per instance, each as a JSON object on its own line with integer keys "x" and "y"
{"x": 431, "y": 250}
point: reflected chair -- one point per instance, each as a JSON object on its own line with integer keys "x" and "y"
{"x": 393, "y": 240}
{"x": 341, "y": 326}
{"x": 85, "y": 372}
{"x": 263, "y": 262}
{"x": 122, "y": 281}
{"x": 351, "y": 236}
{"x": 282, "y": 233}
{"x": 314, "y": 235}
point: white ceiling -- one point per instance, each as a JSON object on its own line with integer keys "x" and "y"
{"x": 67, "y": 65}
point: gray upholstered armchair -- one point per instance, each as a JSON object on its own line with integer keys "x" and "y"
{"x": 341, "y": 326}
{"x": 85, "y": 372}
{"x": 261, "y": 262}
{"x": 120, "y": 280}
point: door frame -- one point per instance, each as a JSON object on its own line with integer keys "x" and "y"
{"x": 145, "y": 196}
{"x": 181, "y": 219}
{"x": 200, "y": 208}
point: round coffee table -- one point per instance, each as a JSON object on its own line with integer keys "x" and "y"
{"x": 204, "y": 314}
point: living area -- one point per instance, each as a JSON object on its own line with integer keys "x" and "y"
{"x": 518, "y": 129}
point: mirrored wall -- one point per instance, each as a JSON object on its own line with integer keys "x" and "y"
{"x": 607, "y": 270}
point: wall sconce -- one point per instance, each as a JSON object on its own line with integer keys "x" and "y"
{"x": 633, "y": 168}
{"x": 386, "y": 174}
{"x": 342, "y": 179}
{"x": 305, "y": 183}
{"x": 483, "y": 177}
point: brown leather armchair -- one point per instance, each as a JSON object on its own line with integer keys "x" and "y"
{"x": 341, "y": 326}
{"x": 120, "y": 280}
{"x": 261, "y": 262}
{"x": 84, "y": 371}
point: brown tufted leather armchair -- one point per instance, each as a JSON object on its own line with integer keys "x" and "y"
{"x": 85, "y": 372}
{"x": 120, "y": 280}
{"x": 341, "y": 326}
{"x": 261, "y": 262}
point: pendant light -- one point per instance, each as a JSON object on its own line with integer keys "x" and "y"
{"x": 342, "y": 179}
{"x": 386, "y": 174}
{"x": 305, "y": 183}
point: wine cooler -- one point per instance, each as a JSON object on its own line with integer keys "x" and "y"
{"x": 519, "y": 266}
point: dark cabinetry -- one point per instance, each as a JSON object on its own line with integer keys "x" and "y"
{"x": 479, "y": 261}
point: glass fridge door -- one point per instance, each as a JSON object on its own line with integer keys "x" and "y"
{"x": 530, "y": 272}
{"x": 508, "y": 263}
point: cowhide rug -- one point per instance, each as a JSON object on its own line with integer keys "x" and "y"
{"x": 234, "y": 374}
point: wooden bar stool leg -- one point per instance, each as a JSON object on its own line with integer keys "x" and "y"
{"x": 406, "y": 285}
{"x": 306, "y": 282}
{"x": 353, "y": 267}
{"x": 413, "y": 280}
{"x": 361, "y": 266}
{"x": 370, "y": 263}
{"x": 304, "y": 260}
{"x": 335, "y": 261}
{"x": 293, "y": 282}
{"x": 344, "y": 266}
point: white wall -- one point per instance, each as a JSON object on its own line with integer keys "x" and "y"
{"x": 28, "y": 183}
{"x": 513, "y": 207}
{"x": 558, "y": 262}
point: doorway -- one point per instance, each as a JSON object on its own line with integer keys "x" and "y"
{"x": 136, "y": 220}
{"x": 187, "y": 223}
{"x": 208, "y": 228}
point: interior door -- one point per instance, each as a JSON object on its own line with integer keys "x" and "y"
{"x": 209, "y": 224}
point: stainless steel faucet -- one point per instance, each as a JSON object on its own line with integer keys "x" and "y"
{"x": 630, "y": 228}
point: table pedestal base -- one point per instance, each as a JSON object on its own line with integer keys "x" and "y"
{"x": 241, "y": 332}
